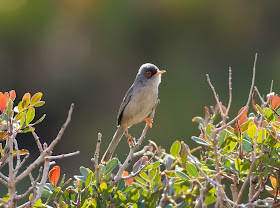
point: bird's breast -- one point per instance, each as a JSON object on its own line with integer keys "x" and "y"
{"x": 140, "y": 106}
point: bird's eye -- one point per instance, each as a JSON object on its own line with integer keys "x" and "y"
{"x": 148, "y": 73}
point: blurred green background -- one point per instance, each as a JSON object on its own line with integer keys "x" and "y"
{"x": 88, "y": 52}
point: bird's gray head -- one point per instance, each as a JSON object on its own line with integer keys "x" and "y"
{"x": 149, "y": 74}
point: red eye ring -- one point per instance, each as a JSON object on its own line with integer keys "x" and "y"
{"x": 148, "y": 73}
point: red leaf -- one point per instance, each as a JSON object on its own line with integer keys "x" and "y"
{"x": 224, "y": 109}
{"x": 12, "y": 95}
{"x": 243, "y": 117}
{"x": 129, "y": 181}
{"x": 275, "y": 102}
{"x": 54, "y": 175}
{"x": 140, "y": 163}
{"x": 6, "y": 96}
{"x": 2, "y": 102}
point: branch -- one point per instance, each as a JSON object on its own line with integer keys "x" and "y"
{"x": 133, "y": 148}
{"x": 33, "y": 185}
{"x": 61, "y": 156}
{"x": 249, "y": 98}
{"x": 39, "y": 144}
{"x": 95, "y": 158}
{"x": 47, "y": 150}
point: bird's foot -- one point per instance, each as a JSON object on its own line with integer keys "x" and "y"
{"x": 149, "y": 122}
{"x": 129, "y": 139}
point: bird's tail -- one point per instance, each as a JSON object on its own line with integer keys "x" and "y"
{"x": 114, "y": 143}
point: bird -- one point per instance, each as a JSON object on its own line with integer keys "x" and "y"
{"x": 137, "y": 104}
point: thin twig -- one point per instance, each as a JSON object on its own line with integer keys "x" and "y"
{"x": 39, "y": 144}
{"x": 61, "y": 156}
{"x": 96, "y": 157}
{"x": 248, "y": 101}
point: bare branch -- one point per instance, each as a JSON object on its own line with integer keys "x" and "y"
{"x": 33, "y": 185}
{"x": 61, "y": 156}
{"x": 230, "y": 90}
{"x": 22, "y": 162}
{"x": 133, "y": 148}
{"x": 47, "y": 150}
{"x": 3, "y": 201}
{"x": 18, "y": 156}
{"x": 249, "y": 98}
{"x": 39, "y": 144}
{"x": 95, "y": 158}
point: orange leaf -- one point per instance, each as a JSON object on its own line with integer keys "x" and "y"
{"x": 273, "y": 183}
{"x": 2, "y": 102}
{"x": 129, "y": 181}
{"x": 275, "y": 102}
{"x": 243, "y": 117}
{"x": 54, "y": 175}
{"x": 26, "y": 96}
{"x": 12, "y": 95}
{"x": 6, "y": 96}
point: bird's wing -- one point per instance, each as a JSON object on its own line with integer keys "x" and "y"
{"x": 125, "y": 101}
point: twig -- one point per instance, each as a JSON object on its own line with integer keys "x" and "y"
{"x": 33, "y": 185}
{"x": 61, "y": 156}
{"x": 22, "y": 162}
{"x": 3, "y": 201}
{"x": 47, "y": 150}
{"x": 230, "y": 90}
{"x": 39, "y": 144}
{"x": 95, "y": 158}
{"x": 18, "y": 156}
{"x": 164, "y": 197}
{"x": 248, "y": 101}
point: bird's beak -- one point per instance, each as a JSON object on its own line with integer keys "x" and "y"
{"x": 160, "y": 72}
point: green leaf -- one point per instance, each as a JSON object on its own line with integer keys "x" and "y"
{"x": 144, "y": 176}
{"x": 269, "y": 115}
{"x": 102, "y": 187}
{"x": 30, "y": 115}
{"x": 199, "y": 141}
{"x": 182, "y": 175}
{"x": 111, "y": 166}
{"x": 89, "y": 179}
{"x": 38, "y": 204}
{"x": 175, "y": 148}
{"x": 55, "y": 193}
{"x": 252, "y": 130}
{"x": 191, "y": 169}
{"x": 22, "y": 120}
{"x": 38, "y": 121}
{"x": 238, "y": 164}
{"x": 84, "y": 171}
{"x": 36, "y": 98}
{"x": 140, "y": 180}
{"x": 20, "y": 106}
{"x": 246, "y": 145}
{"x": 38, "y": 104}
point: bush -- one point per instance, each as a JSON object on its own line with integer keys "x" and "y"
{"x": 237, "y": 164}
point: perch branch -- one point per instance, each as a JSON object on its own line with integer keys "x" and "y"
{"x": 132, "y": 151}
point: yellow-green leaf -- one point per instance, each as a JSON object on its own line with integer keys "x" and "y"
{"x": 30, "y": 115}
{"x": 36, "y": 98}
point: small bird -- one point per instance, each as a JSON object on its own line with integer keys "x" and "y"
{"x": 137, "y": 104}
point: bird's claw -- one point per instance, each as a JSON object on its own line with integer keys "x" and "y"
{"x": 149, "y": 122}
